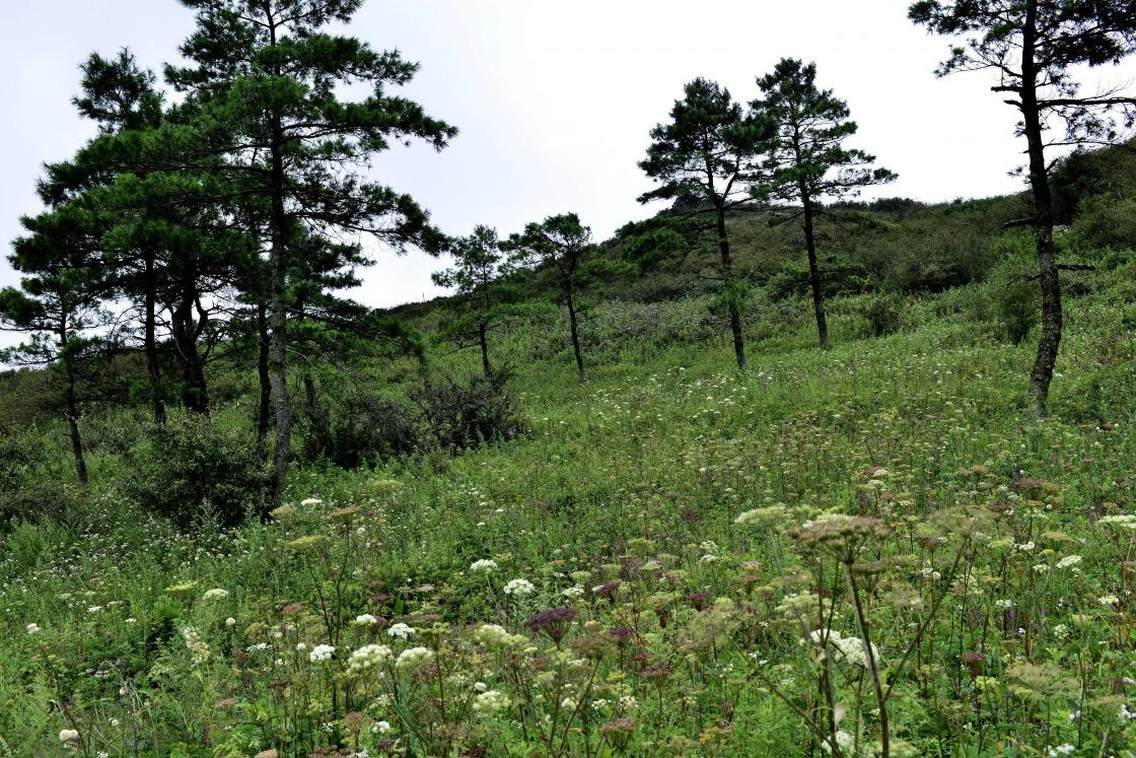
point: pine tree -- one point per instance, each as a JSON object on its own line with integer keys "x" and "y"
{"x": 57, "y": 306}
{"x": 559, "y": 244}
{"x": 707, "y": 157}
{"x": 118, "y": 96}
{"x": 1036, "y": 47}
{"x": 479, "y": 265}
{"x": 808, "y": 164}
{"x": 267, "y": 75}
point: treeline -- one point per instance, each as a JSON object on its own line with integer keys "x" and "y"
{"x": 229, "y": 218}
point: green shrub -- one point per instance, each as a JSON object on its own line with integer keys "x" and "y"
{"x": 884, "y": 314}
{"x": 1107, "y": 222}
{"x": 363, "y": 429}
{"x": 1017, "y": 305}
{"x": 460, "y": 415}
{"x": 192, "y": 470}
{"x": 56, "y": 498}
{"x": 617, "y": 326}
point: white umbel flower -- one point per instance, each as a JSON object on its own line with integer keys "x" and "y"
{"x": 519, "y": 587}
{"x": 321, "y": 653}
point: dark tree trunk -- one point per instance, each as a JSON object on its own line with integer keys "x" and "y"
{"x": 195, "y": 391}
{"x": 483, "y": 338}
{"x": 264, "y": 406}
{"x": 73, "y": 429}
{"x": 278, "y": 312}
{"x": 814, "y": 269}
{"x": 153, "y": 364}
{"x": 727, "y": 263}
{"x": 572, "y": 323}
{"x": 317, "y": 416}
{"x": 277, "y": 299}
{"x": 1049, "y": 341}
{"x": 72, "y": 403}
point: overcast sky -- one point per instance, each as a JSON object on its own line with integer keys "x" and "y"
{"x": 554, "y": 99}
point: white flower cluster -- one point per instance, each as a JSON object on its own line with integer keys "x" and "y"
{"x": 321, "y": 653}
{"x": 401, "y": 631}
{"x": 495, "y": 635}
{"x": 850, "y": 650}
{"x": 766, "y": 516}
{"x": 1069, "y": 561}
{"x": 1121, "y": 521}
{"x": 519, "y": 587}
{"x": 364, "y": 619}
{"x": 368, "y": 657}
{"x": 484, "y": 565}
{"x": 217, "y": 593}
{"x": 490, "y": 702}
{"x": 197, "y": 647}
{"x": 412, "y": 658}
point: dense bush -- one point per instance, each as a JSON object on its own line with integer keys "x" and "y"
{"x": 193, "y": 471}
{"x": 619, "y": 325}
{"x": 458, "y": 415}
{"x": 1017, "y": 304}
{"x": 33, "y": 488}
{"x": 34, "y": 499}
{"x": 1107, "y": 222}
{"x": 884, "y": 313}
{"x": 363, "y": 429}
{"x": 839, "y": 276}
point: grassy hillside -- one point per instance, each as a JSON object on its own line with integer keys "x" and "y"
{"x": 988, "y": 551}
{"x": 673, "y": 559}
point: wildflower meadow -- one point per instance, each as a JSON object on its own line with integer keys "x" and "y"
{"x": 874, "y": 550}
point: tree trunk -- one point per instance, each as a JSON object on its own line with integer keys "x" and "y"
{"x": 727, "y": 262}
{"x": 572, "y": 323}
{"x": 195, "y": 391}
{"x": 73, "y": 431}
{"x": 814, "y": 269}
{"x": 264, "y": 406}
{"x": 317, "y": 416}
{"x": 278, "y": 310}
{"x": 483, "y": 338}
{"x": 1049, "y": 340}
{"x": 72, "y": 403}
{"x": 153, "y": 365}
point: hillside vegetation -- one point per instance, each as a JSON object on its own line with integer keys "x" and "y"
{"x": 643, "y": 567}
{"x": 775, "y": 471}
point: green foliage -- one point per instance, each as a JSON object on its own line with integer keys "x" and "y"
{"x": 1085, "y": 174}
{"x": 364, "y": 429}
{"x": 458, "y": 415}
{"x": 805, "y": 157}
{"x": 884, "y": 313}
{"x": 707, "y": 155}
{"x": 195, "y": 472}
{"x": 1107, "y": 222}
{"x": 1017, "y": 304}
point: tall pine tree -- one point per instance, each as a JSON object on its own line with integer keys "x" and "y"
{"x": 270, "y": 77}
{"x": 559, "y": 244}
{"x": 57, "y": 306}
{"x": 707, "y": 158}
{"x": 1036, "y": 47}
{"x": 807, "y": 161}
{"x": 479, "y": 264}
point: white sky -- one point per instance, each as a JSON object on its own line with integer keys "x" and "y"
{"x": 554, "y": 99}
